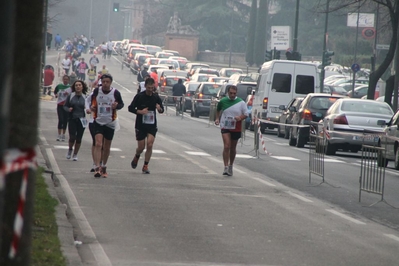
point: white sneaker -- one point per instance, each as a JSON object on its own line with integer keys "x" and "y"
{"x": 75, "y": 157}
{"x": 230, "y": 170}
{"x": 68, "y": 156}
{"x": 58, "y": 137}
{"x": 62, "y": 137}
{"x": 226, "y": 170}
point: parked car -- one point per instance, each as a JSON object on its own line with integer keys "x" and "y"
{"x": 190, "y": 67}
{"x": 337, "y": 90}
{"x": 170, "y": 62}
{"x": 163, "y": 72}
{"x": 201, "y": 100}
{"x": 130, "y": 54}
{"x": 182, "y": 61}
{"x": 237, "y": 77}
{"x": 163, "y": 55}
{"x": 219, "y": 79}
{"x": 138, "y": 61}
{"x": 175, "y": 53}
{"x": 312, "y": 109}
{"x": 359, "y": 92}
{"x": 165, "y": 88}
{"x": 286, "y": 117}
{"x": 191, "y": 87}
{"x": 153, "y": 49}
{"x": 347, "y": 120}
{"x": 209, "y": 71}
{"x": 201, "y": 77}
{"x": 228, "y": 71}
{"x": 390, "y": 142}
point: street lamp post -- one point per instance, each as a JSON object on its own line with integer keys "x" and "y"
{"x": 231, "y": 38}
{"x": 322, "y": 72}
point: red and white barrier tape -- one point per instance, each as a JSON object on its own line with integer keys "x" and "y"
{"x": 261, "y": 140}
{"x": 16, "y": 160}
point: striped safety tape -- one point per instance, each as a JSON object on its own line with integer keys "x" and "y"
{"x": 16, "y": 160}
{"x": 261, "y": 140}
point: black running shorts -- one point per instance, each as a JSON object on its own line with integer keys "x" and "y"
{"x": 143, "y": 132}
{"x": 234, "y": 135}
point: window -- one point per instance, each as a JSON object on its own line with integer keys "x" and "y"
{"x": 304, "y": 84}
{"x": 281, "y": 83}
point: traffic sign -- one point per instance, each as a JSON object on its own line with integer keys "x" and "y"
{"x": 382, "y": 46}
{"x": 355, "y": 67}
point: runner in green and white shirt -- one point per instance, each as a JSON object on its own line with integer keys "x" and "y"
{"x": 231, "y": 111}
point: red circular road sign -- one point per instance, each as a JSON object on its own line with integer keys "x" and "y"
{"x": 368, "y": 33}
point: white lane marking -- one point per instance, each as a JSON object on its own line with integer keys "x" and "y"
{"x": 281, "y": 144}
{"x": 156, "y": 151}
{"x": 299, "y": 196}
{"x": 160, "y": 158}
{"x": 333, "y": 161}
{"x": 263, "y": 181}
{"x": 353, "y": 220}
{"x": 285, "y": 158}
{"x": 181, "y": 144}
{"x": 392, "y": 237}
{"x": 197, "y": 153}
{"x": 245, "y": 156}
{"x": 62, "y": 147}
{"x": 199, "y": 164}
{"x": 123, "y": 87}
{"x": 96, "y": 248}
{"x": 238, "y": 170}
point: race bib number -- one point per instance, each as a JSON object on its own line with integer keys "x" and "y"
{"x": 149, "y": 118}
{"x": 84, "y": 122}
{"x": 229, "y": 123}
{"x": 105, "y": 110}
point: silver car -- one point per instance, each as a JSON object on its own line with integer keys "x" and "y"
{"x": 348, "y": 120}
{"x": 390, "y": 142}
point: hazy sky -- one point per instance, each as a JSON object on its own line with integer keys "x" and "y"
{"x": 74, "y": 16}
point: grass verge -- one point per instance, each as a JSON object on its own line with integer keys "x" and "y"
{"x": 46, "y": 248}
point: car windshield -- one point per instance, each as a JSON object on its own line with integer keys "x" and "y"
{"x": 192, "y": 87}
{"x": 366, "y": 107}
{"x": 211, "y": 89}
{"x": 203, "y": 78}
{"x": 322, "y": 103}
{"x": 171, "y": 81}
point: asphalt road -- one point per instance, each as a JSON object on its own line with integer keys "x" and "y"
{"x": 186, "y": 213}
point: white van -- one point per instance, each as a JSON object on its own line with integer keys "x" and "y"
{"x": 280, "y": 81}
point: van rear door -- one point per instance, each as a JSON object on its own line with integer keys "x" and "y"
{"x": 282, "y": 79}
{"x": 305, "y": 79}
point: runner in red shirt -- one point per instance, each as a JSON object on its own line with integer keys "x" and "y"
{"x": 48, "y": 79}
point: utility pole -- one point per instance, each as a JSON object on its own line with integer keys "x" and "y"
{"x": 295, "y": 48}
{"x": 323, "y": 72}
{"x": 17, "y": 220}
{"x": 7, "y": 23}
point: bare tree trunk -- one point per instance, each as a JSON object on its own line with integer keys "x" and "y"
{"x": 376, "y": 75}
{"x": 23, "y": 121}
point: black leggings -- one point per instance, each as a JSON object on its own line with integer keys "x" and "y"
{"x": 62, "y": 117}
{"x": 75, "y": 130}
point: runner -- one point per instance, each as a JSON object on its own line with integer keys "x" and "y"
{"x": 104, "y": 103}
{"x": 93, "y": 61}
{"x": 91, "y": 73}
{"x": 66, "y": 64}
{"x": 144, "y": 105}
{"x": 231, "y": 111}
{"x": 75, "y": 107}
{"x": 61, "y": 92}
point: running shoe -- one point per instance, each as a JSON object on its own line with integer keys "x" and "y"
{"x": 75, "y": 157}
{"x": 69, "y": 154}
{"x": 226, "y": 170}
{"x": 230, "y": 171}
{"x": 62, "y": 137}
{"x": 145, "y": 169}
{"x": 97, "y": 172}
{"x": 104, "y": 173}
{"x": 134, "y": 162}
{"x": 58, "y": 137}
{"x": 93, "y": 168}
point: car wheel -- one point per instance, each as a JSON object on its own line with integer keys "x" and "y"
{"x": 330, "y": 149}
{"x": 300, "y": 140}
{"x": 279, "y": 134}
{"x": 381, "y": 161}
{"x": 192, "y": 112}
{"x": 397, "y": 159}
{"x": 291, "y": 140}
{"x": 196, "y": 114}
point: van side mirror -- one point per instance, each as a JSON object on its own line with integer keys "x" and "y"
{"x": 249, "y": 90}
{"x": 253, "y": 92}
{"x": 282, "y": 107}
{"x": 292, "y": 108}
